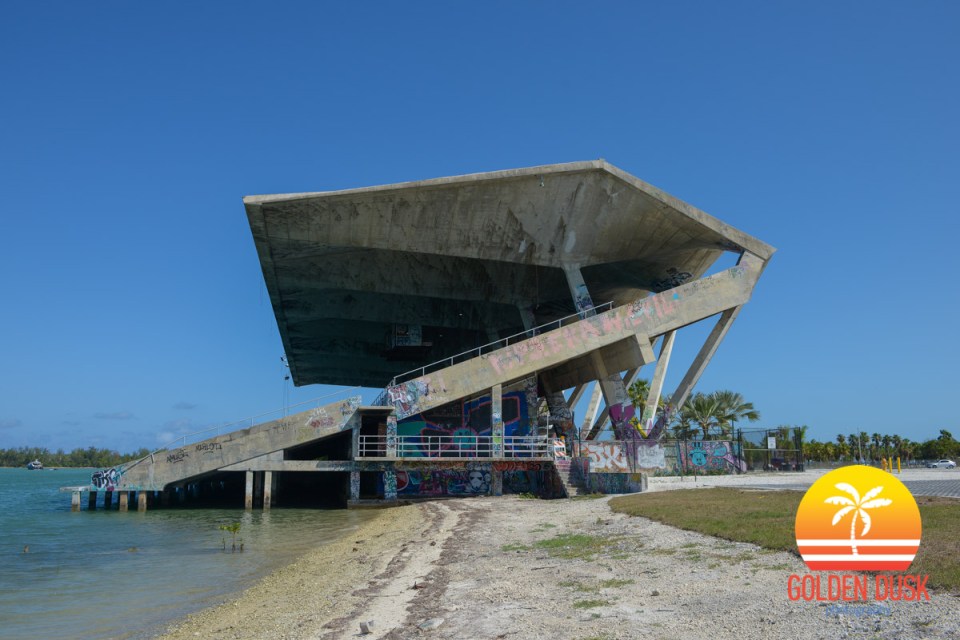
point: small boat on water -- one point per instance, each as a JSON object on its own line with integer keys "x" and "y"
{"x": 36, "y": 465}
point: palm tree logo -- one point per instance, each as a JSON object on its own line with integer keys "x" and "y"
{"x": 858, "y": 506}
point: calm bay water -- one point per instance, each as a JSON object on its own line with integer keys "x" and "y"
{"x": 106, "y": 574}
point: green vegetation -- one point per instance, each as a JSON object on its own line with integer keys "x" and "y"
{"x": 568, "y": 546}
{"x": 873, "y": 447}
{"x": 89, "y": 457}
{"x": 766, "y": 519}
{"x": 234, "y": 530}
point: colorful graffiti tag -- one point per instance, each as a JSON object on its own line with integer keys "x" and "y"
{"x": 106, "y": 479}
{"x": 710, "y": 455}
{"x": 456, "y": 426}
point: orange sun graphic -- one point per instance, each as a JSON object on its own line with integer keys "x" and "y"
{"x": 858, "y": 518}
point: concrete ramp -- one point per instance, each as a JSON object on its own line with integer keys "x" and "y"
{"x": 174, "y": 466}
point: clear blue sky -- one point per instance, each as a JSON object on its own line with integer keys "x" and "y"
{"x": 132, "y": 302}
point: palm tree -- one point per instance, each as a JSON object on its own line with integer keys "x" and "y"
{"x": 702, "y": 409}
{"x": 858, "y": 506}
{"x": 731, "y": 407}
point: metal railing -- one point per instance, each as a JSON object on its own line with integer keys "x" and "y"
{"x": 497, "y": 344}
{"x": 456, "y": 447}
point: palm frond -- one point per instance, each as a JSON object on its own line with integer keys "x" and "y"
{"x": 843, "y": 486}
{"x": 839, "y": 500}
{"x": 866, "y": 521}
{"x": 839, "y": 515}
{"x": 879, "y": 502}
{"x": 873, "y": 492}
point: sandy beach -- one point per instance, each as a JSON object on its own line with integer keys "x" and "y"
{"x": 471, "y": 569}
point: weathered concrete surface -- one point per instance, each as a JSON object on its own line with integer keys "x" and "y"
{"x": 155, "y": 472}
{"x": 466, "y": 258}
{"x": 651, "y": 316}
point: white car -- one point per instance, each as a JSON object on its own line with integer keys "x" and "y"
{"x": 942, "y": 464}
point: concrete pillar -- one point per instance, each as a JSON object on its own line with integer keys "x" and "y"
{"x": 592, "y": 407}
{"x": 496, "y": 482}
{"x": 141, "y": 501}
{"x": 528, "y": 318}
{"x": 619, "y": 407}
{"x": 248, "y": 491}
{"x": 560, "y": 415}
{"x": 107, "y": 500}
{"x": 354, "y": 485}
{"x": 656, "y": 387}
{"x": 267, "y": 489}
{"x": 578, "y": 289}
{"x": 703, "y": 358}
{"x": 92, "y": 501}
{"x": 390, "y": 483}
{"x": 496, "y": 420}
{"x": 124, "y": 499}
{"x": 75, "y": 501}
{"x": 391, "y": 436}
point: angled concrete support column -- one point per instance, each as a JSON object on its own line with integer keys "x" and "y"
{"x": 656, "y": 386}
{"x": 578, "y": 289}
{"x": 496, "y": 420}
{"x": 391, "y": 436}
{"x": 619, "y": 407}
{"x": 703, "y": 358}
{"x": 528, "y": 318}
{"x": 576, "y": 395}
{"x": 592, "y": 407}
{"x": 267, "y": 489}
{"x": 248, "y": 491}
{"x": 354, "y": 485}
{"x": 390, "y": 483}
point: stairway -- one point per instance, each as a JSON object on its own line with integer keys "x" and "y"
{"x": 569, "y": 477}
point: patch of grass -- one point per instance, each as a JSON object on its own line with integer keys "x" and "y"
{"x": 575, "y": 545}
{"x": 766, "y": 519}
{"x": 615, "y": 583}
{"x": 663, "y": 552}
{"x": 514, "y": 547}
{"x": 590, "y": 604}
{"x": 588, "y": 496}
{"x": 578, "y": 586}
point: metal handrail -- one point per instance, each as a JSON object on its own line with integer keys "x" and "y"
{"x": 529, "y": 333}
{"x": 454, "y": 446}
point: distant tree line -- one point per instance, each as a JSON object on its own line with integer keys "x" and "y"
{"x": 89, "y": 457}
{"x": 872, "y": 447}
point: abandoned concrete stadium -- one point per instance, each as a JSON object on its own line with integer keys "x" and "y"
{"x": 485, "y": 306}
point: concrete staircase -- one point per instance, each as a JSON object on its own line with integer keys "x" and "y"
{"x": 569, "y": 478}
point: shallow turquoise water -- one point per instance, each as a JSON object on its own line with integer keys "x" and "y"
{"x": 106, "y": 574}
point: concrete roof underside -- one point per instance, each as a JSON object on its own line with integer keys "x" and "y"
{"x": 462, "y": 256}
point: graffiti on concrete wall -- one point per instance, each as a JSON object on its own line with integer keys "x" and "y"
{"x": 709, "y": 455}
{"x": 319, "y": 418}
{"x": 674, "y": 278}
{"x": 645, "y": 311}
{"x": 614, "y": 482}
{"x": 615, "y": 457}
{"x": 472, "y": 479}
{"x": 407, "y": 397}
{"x": 452, "y": 430}
{"x": 106, "y": 479}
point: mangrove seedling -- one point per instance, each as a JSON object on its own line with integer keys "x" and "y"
{"x": 234, "y": 530}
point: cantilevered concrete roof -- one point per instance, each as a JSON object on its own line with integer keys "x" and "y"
{"x": 457, "y": 259}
